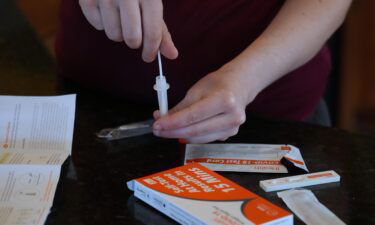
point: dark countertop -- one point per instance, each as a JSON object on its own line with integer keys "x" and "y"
{"x": 92, "y": 187}
{"x": 95, "y": 193}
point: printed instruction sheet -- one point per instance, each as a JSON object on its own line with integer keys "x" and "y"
{"x": 35, "y": 139}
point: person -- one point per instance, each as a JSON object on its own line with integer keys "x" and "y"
{"x": 226, "y": 58}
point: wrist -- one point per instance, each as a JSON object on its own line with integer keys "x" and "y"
{"x": 249, "y": 76}
{"x": 245, "y": 84}
{"x": 257, "y": 66}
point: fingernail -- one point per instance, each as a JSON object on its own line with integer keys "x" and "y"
{"x": 148, "y": 59}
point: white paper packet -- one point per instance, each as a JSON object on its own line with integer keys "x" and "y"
{"x": 306, "y": 206}
{"x": 257, "y": 158}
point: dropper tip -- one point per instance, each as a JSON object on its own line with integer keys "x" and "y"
{"x": 160, "y": 65}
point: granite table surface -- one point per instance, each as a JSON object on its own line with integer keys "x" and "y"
{"x": 92, "y": 186}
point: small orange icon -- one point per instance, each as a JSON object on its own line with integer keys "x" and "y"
{"x": 285, "y": 148}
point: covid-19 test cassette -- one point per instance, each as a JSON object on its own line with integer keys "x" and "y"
{"x": 299, "y": 181}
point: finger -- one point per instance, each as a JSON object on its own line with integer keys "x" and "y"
{"x": 199, "y": 111}
{"x": 187, "y": 101}
{"x": 222, "y": 135}
{"x": 183, "y": 104}
{"x": 91, "y": 12}
{"x": 167, "y": 47}
{"x": 152, "y": 22}
{"x": 156, "y": 114}
{"x": 111, "y": 20}
{"x": 206, "y": 127}
{"x": 131, "y": 24}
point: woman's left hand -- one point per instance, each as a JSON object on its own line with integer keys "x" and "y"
{"x": 213, "y": 109}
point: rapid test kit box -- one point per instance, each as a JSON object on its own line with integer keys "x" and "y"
{"x": 193, "y": 194}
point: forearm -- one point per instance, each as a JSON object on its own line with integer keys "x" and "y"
{"x": 295, "y": 35}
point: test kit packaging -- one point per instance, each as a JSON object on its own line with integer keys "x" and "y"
{"x": 255, "y": 158}
{"x": 193, "y": 194}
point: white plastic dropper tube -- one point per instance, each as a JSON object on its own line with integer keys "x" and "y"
{"x": 161, "y": 86}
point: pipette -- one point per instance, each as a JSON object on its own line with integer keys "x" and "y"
{"x": 161, "y": 86}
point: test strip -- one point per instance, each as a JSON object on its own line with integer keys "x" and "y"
{"x": 299, "y": 181}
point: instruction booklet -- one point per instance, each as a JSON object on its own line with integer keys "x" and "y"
{"x": 35, "y": 139}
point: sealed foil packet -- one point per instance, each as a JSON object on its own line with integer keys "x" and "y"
{"x": 126, "y": 131}
{"x": 307, "y": 207}
{"x": 257, "y": 158}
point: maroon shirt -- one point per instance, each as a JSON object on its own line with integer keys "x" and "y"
{"x": 208, "y": 34}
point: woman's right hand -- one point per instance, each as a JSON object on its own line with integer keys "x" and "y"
{"x": 136, "y": 22}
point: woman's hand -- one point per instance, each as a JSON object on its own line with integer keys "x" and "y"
{"x": 213, "y": 109}
{"x": 137, "y": 22}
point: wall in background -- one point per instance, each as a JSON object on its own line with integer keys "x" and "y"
{"x": 357, "y": 98}
{"x": 43, "y": 16}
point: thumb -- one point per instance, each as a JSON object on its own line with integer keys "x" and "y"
{"x": 186, "y": 102}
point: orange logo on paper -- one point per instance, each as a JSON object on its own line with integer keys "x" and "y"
{"x": 295, "y": 161}
{"x": 321, "y": 175}
{"x": 260, "y": 211}
{"x": 286, "y": 148}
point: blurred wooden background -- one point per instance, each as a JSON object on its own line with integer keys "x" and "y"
{"x": 356, "y": 101}
{"x": 43, "y": 16}
{"x": 357, "y": 95}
